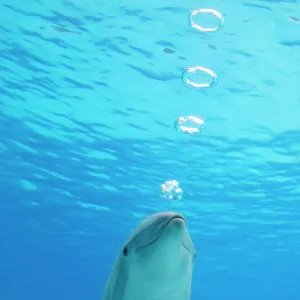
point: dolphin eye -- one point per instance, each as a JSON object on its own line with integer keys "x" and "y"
{"x": 125, "y": 251}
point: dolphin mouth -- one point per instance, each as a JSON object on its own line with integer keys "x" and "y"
{"x": 175, "y": 216}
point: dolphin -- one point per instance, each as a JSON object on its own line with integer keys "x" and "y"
{"x": 155, "y": 263}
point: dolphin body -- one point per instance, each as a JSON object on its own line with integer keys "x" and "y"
{"x": 156, "y": 262}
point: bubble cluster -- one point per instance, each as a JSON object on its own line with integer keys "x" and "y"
{"x": 188, "y": 124}
{"x": 196, "y": 71}
{"x": 170, "y": 190}
{"x": 206, "y": 11}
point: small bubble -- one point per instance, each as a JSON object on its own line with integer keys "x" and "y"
{"x": 170, "y": 190}
{"x": 206, "y": 12}
{"x": 199, "y": 70}
{"x": 188, "y": 124}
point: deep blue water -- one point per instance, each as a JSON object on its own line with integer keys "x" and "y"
{"x": 89, "y": 93}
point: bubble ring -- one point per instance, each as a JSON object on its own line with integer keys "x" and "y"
{"x": 213, "y": 82}
{"x": 181, "y": 124}
{"x": 206, "y": 11}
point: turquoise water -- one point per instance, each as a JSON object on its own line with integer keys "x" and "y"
{"x": 89, "y": 93}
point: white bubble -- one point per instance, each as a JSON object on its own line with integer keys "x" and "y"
{"x": 170, "y": 190}
{"x": 199, "y": 70}
{"x": 188, "y": 124}
{"x": 206, "y": 11}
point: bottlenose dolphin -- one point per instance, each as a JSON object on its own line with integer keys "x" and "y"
{"x": 156, "y": 262}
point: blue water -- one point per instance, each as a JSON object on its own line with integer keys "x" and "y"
{"x": 89, "y": 93}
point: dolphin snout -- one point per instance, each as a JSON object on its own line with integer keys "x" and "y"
{"x": 177, "y": 216}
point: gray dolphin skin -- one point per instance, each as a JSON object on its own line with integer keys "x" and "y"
{"x": 156, "y": 262}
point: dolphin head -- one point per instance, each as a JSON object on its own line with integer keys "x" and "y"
{"x": 156, "y": 262}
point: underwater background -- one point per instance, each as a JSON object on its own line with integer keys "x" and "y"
{"x": 89, "y": 93}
